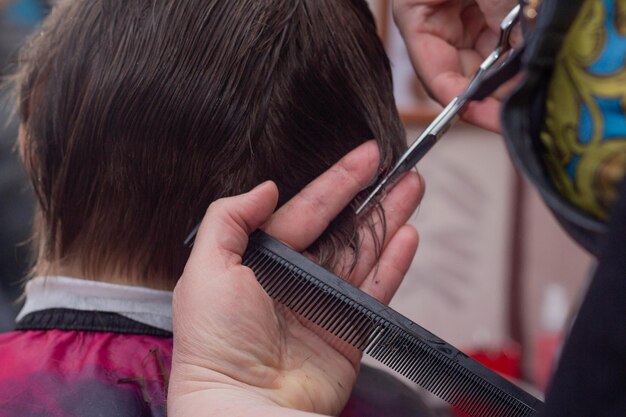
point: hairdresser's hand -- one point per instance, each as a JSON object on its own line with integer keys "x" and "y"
{"x": 236, "y": 352}
{"x": 447, "y": 41}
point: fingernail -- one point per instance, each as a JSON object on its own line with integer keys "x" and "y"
{"x": 422, "y": 184}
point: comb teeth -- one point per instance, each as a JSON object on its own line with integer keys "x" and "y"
{"x": 377, "y": 330}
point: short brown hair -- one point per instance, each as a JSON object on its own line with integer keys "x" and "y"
{"x": 140, "y": 113}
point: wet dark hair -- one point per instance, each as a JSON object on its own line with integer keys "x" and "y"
{"x": 138, "y": 114}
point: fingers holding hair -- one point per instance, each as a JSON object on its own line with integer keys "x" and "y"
{"x": 303, "y": 219}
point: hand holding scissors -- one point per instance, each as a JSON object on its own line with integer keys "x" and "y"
{"x": 499, "y": 66}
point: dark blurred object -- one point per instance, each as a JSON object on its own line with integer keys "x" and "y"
{"x": 17, "y": 19}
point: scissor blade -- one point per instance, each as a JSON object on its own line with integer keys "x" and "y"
{"x": 417, "y": 149}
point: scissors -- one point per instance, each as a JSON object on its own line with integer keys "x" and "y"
{"x": 497, "y": 68}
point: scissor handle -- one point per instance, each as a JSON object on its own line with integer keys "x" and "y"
{"x": 503, "y": 46}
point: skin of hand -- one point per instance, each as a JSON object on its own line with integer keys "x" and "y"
{"x": 447, "y": 40}
{"x": 238, "y": 353}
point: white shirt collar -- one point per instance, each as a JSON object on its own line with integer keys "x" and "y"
{"x": 145, "y": 305}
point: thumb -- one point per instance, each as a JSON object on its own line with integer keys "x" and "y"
{"x": 223, "y": 233}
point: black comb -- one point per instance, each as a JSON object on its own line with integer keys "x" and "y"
{"x": 377, "y": 330}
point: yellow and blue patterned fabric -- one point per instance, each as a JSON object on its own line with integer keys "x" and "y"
{"x": 25, "y": 12}
{"x": 584, "y": 135}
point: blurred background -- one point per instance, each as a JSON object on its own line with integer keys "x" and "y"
{"x": 17, "y": 19}
{"x": 494, "y": 275}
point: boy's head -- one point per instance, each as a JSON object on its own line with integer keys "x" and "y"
{"x": 136, "y": 115}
